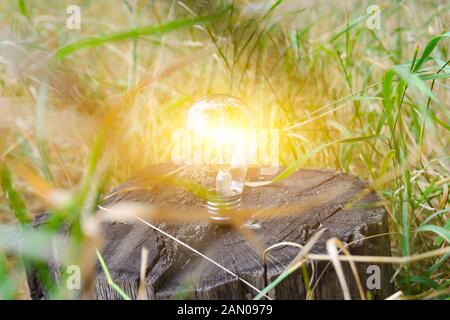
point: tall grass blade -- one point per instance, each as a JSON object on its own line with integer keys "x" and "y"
{"x": 297, "y": 164}
{"x": 130, "y": 34}
{"x": 14, "y": 200}
{"x": 429, "y": 49}
{"x": 444, "y": 233}
{"x": 109, "y": 279}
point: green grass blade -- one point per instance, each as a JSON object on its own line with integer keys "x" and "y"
{"x": 274, "y": 283}
{"x": 129, "y": 34}
{"x": 428, "y": 50}
{"x": 439, "y": 240}
{"x": 14, "y": 200}
{"x": 349, "y": 26}
{"x": 296, "y": 164}
{"x": 23, "y": 8}
{"x": 438, "y": 264}
{"x": 413, "y": 80}
{"x": 109, "y": 278}
{"x": 385, "y": 163}
{"x": 440, "y": 231}
{"x": 405, "y": 211}
{"x": 424, "y": 280}
{"x": 387, "y": 101}
{"x": 33, "y": 244}
{"x": 435, "y": 76}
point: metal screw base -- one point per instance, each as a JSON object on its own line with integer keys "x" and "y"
{"x": 219, "y": 207}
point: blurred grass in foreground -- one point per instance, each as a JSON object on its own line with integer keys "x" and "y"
{"x": 309, "y": 68}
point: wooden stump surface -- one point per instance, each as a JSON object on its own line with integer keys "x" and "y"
{"x": 291, "y": 211}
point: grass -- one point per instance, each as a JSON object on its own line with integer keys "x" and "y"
{"x": 374, "y": 103}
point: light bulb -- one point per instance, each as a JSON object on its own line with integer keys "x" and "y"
{"x": 221, "y": 125}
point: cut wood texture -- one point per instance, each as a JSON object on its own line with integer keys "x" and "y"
{"x": 288, "y": 211}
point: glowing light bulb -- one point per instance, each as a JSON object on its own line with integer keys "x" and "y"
{"x": 222, "y": 126}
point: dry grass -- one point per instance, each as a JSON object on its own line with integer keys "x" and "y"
{"x": 309, "y": 68}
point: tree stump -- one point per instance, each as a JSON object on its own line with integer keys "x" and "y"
{"x": 288, "y": 211}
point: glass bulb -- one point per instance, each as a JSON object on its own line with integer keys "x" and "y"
{"x": 221, "y": 126}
